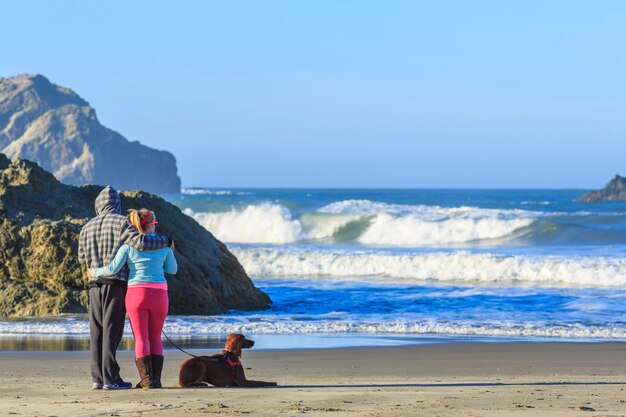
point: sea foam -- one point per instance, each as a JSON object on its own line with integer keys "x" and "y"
{"x": 260, "y": 324}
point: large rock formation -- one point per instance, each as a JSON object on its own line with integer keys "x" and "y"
{"x": 40, "y": 220}
{"x": 54, "y": 127}
{"x": 615, "y": 190}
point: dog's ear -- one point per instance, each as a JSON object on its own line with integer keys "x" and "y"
{"x": 239, "y": 345}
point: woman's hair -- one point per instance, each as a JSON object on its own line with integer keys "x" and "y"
{"x": 139, "y": 218}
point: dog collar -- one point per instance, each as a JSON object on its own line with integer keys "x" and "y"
{"x": 228, "y": 360}
{"x": 232, "y": 363}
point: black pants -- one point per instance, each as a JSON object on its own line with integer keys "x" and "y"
{"x": 107, "y": 313}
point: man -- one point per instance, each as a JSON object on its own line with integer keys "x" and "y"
{"x": 99, "y": 241}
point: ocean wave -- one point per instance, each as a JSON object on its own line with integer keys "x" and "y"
{"x": 425, "y": 212}
{"x": 365, "y": 222}
{"x": 459, "y": 266}
{"x": 263, "y": 223}
{"x": 260, "y": 324}
{"x": 390, "y": 230}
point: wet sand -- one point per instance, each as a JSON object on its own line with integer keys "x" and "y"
{"x": 467, "y": 379}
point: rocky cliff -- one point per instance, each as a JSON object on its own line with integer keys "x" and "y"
{"x": 40, "y": 220}
{"x": 54, "y": 127}
{"x": 615, "y": 190}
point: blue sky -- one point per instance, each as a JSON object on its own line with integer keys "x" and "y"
{"x": 453, "y": 94}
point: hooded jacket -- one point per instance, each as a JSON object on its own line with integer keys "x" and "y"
{"x": 102, "y": 236}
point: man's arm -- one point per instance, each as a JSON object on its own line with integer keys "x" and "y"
{"x": 82, "y": 259}
{"x": 134, "y": 239}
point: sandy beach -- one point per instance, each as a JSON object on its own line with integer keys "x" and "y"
{"x": 464, "y": 379}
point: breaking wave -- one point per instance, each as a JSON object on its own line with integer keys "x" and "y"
{"x": 458, "y": 266}
{"x": 365, "y": 222}
{"x": 371, "y": 223}
{"x": 264, "y": 223}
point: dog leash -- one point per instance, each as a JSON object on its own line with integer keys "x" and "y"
{"x": 176, "y": 346}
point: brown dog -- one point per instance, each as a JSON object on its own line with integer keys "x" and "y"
{"x": 222, "y": 370}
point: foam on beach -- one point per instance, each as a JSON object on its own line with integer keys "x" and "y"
{"x": 260, "y": 324}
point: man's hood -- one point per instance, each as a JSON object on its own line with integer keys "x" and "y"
{"x": 108, "y": 201}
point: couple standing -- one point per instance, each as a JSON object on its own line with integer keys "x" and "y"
{"x": 126, "y": 262}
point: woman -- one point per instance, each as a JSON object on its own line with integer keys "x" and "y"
{"x": 146, "y": 298}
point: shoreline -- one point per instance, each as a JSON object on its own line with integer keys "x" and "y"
{"x": 460, "y": 379}
{"x": 15, "y": 342}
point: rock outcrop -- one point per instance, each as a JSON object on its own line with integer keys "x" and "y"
{"x": 56, "y": 128}
{"x": 615, "y": 190}
{"x": 40, "y": 220}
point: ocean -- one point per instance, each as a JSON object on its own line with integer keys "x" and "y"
{"x": 364, "y": 267}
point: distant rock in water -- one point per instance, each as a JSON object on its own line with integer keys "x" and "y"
{"x": 56, "y": 128}
{"x": 615, "y": 190}
{"x": 40, "y": 221}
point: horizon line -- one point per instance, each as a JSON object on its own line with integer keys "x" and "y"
{"x": 221, "y": 187}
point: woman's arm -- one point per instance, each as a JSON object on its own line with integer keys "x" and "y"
{"x": 116, "y": 264}
{"x": 170, "y": 266}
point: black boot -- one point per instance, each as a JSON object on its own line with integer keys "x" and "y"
{"x": 144, "y": 366}
{"x": 157, "y": 368}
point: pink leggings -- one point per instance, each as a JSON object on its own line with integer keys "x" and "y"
{"x": 147, "y": 309}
